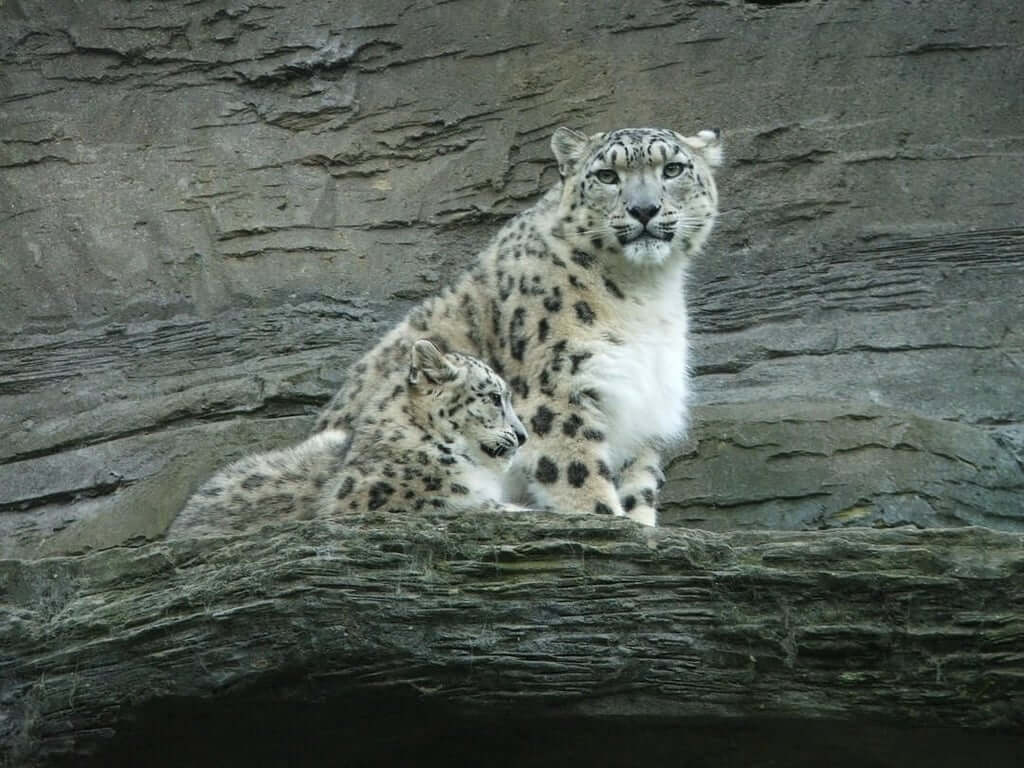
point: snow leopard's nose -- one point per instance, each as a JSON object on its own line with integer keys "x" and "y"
{"x": 520, "y": 435}
{"x": 516, "y": 424}
{"x": 643, "y": 213}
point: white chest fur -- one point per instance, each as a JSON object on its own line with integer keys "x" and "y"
{"x": 484, "y": 483}
{"x": 643, "y": 382}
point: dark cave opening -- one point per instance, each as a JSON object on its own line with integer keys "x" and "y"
{"x": 385, "y": 730}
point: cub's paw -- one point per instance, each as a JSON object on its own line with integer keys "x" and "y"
{"x": 519, "y": 508}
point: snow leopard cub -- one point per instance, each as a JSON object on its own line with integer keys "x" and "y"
{"x": 441, "y": 440}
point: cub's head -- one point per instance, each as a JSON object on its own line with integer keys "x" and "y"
{"x": 647, "y": 193}
{"x": 462, "y": 396}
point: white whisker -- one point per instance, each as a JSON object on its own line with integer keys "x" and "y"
{"x": 606, "y": 232}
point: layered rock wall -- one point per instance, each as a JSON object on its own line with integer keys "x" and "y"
{"x": 208, "y": 210}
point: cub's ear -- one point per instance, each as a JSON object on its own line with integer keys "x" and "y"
{"x": 709, "y": 144}
{"x": 568, "y": 146}
{"x": 431, "y": 362}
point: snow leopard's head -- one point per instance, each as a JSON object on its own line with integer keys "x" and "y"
{"x": 647, "y": 193}
{"x": 462, "y": 396}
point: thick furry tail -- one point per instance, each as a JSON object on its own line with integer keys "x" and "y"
{"x": 264, "y": 487}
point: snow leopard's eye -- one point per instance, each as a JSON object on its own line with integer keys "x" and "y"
{"x": 671, "y": 170}
{"x": 496, "y": 399}
{"x": 607, "y": 176}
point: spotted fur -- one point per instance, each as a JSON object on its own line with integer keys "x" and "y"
{"x": 439, "y": 438}
{"x": 579, "y": 302}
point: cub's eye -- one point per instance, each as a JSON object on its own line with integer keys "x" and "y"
{"x": 496, "y": 399}
{"x": 671, "y": 170}
{"x": 606, "y": 176}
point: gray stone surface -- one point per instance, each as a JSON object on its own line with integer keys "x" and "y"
{"x": 502, "y": 616}
{"x": 207, "y": 210}
{"x": 800, "y": 465}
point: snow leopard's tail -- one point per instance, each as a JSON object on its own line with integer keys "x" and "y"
{"x": 264, "y": 487}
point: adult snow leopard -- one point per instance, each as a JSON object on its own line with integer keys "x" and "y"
{"x": 578, "y": 302}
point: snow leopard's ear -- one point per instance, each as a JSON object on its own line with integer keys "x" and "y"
{"x": 568, "y": 146}
{"x": 431, "y": 362}
{"x": 709, "y": 144}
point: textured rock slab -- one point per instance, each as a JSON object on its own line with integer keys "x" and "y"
{"x": 922, "y": 323}
{"x": 788, "y": 464}
{"x": 583, "y": 614}
{"x": 207, "y": 211}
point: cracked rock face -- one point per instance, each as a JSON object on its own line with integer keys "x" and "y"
{"x": 209, "y": 212}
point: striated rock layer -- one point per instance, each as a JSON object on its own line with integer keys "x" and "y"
{"x": 489, "y": 618}
{"x": 209, "y": 210}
